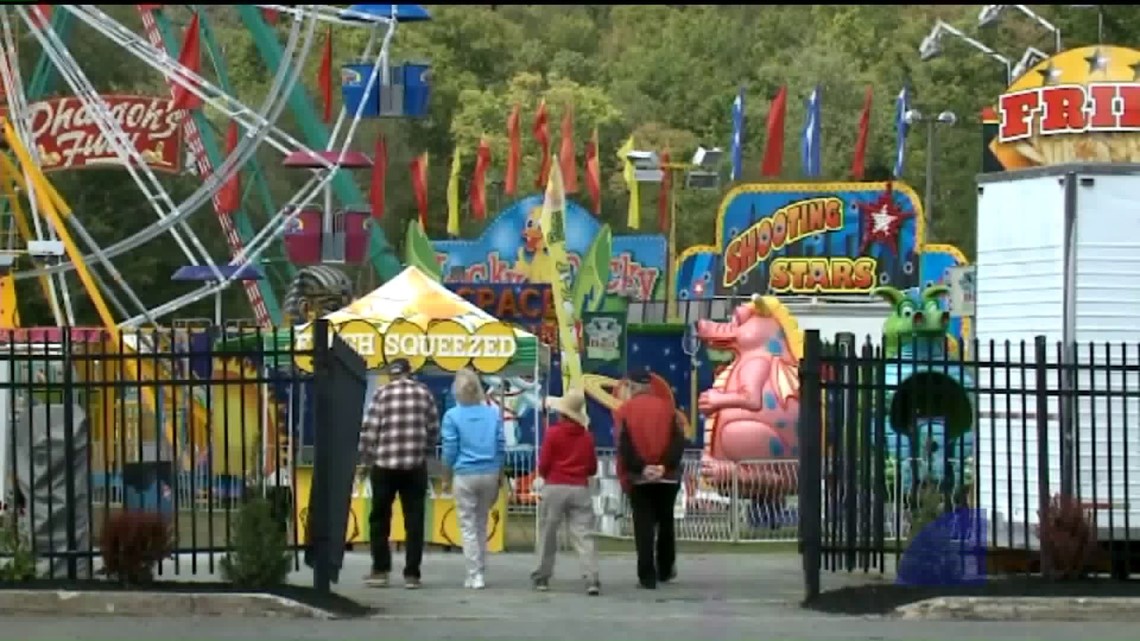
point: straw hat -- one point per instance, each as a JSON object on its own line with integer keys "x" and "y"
{"x": 572, "y": 405}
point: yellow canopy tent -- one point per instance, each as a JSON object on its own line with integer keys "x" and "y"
{"x": 414, "y": 317}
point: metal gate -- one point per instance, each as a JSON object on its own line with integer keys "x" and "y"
{"x": 340, "y": 378}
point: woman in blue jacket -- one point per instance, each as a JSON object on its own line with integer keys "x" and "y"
{"x": 473, "y": 451}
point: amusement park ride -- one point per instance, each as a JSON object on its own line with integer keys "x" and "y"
{"x": 54, "y": 242}
{"x": 58, "y": 119}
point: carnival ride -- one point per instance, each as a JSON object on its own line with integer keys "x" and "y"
{"x": 48, "y": 241}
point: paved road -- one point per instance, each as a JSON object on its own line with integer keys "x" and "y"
{"x": 728, "y": 596}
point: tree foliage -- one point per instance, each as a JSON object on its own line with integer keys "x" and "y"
{"x": 665, "y": 73}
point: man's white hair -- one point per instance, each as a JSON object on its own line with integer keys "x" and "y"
{"x": 467, "y": 387}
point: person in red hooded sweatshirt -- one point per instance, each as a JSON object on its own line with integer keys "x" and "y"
{"x": 566, "y": 461}
{"x": 651, "y": 445}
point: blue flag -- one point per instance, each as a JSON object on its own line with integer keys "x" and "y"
{"x": 738, "y": 135}
{"x": 902, "y": 105}
{"x": 810, "y": 143}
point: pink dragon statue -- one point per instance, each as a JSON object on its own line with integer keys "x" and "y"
{"x": 752, "y": 409}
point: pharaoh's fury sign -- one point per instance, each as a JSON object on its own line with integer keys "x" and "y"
{"x": 66, "y": 133}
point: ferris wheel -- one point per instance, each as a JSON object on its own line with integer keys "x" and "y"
{"x": 46, "y": 238}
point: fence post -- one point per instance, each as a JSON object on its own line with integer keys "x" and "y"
{"x": 320, "y": 537}
{"x": 1041, "y": 371}
{"x": 811, "y": 455}
{"x": 68, "y": 401}
{"x": 734, "y": 505}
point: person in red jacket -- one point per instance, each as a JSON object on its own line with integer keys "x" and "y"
{"x": 651, "y": 445}
{"x": 566, "y": 462}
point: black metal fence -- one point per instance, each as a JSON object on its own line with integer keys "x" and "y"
{"x": 900, "y": 440}
{"x": 185, "y": 422}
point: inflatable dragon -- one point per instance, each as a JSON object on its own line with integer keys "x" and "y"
{"x": 930, "y": 414}
{"x": 752, "y": 409}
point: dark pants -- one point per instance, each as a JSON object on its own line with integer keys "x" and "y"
{"x": 653, "y": 530}
{"x": 411, "y": 487}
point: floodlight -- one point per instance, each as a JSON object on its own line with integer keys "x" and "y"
{"x": 707, "y": 158}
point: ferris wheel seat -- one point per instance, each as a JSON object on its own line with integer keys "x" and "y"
{"x": 303, "y": 237}
{"x": 407, "y": 94}
{"x": 307, "y": 244}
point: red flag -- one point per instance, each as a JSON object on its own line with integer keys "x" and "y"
{"x": 270, "y": 16}
{"x": 379, "y": 178}
{"x": 479, "y": 180}
{"x": 190, "y": 57}
{"x": 864, "y": 133}
{"x": 774, "y": 146}
{"x": 229, "y": 196}
{"x": 663, "y": 195}
{"x": 43, "y": 13}
{"x": 420, "y": 186}
{"x": 594, "y": 173}
{"x": 514, "y": 153}
{"x": 566, "y": 156}
{"x": 541, "y": 132}
{"x": 324, "y": 77}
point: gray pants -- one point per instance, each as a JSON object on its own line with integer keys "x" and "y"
{"x": 570, "y": 504}
{"x": 475, "y": 495}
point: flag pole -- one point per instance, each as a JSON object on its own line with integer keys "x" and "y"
{"x": 671, "y": 240}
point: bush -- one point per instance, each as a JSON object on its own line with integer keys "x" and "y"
{"x": 18, "y": 563}
{"x": 133, "y": 542}
{"x": 261, "y": 557}
{"x": 1068, "y": 540}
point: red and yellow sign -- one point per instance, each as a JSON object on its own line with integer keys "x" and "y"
{"x": 67, "y": 135}
{"x": 1081, "y": 105}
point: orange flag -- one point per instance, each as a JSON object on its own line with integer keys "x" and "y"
{"x": 229, "y": 196}
{"x": 190, "y": 57}
{"x": 594, "y": 173}
{"x": 664, "y": 194}
{"x": 541, "y": 132}
{"x": 420, "y": 186}
{"x": 514, "y": 153}
{"x": 479, "y": 180}
{"x": 324, "y": 77}
{"x": 566, "y": 158}
{"x": 376, "y": 190}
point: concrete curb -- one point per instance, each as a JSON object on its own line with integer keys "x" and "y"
{"x": 153, "y": 604}
{"x": 1023, "y": 609}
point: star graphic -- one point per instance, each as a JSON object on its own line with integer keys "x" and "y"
{"x": 1098, "y": 61}
{"x": 1050, "y": 74}
{"x": 882, "y": 219}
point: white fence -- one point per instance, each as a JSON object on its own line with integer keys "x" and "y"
{"x": 729, "y": 514}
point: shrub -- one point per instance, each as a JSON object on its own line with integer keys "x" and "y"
{"x": 1068, "y": 540}
{"x": 260, "y": 558}
{"x": 133, "y": 542}
{"x": 18, "y": 564}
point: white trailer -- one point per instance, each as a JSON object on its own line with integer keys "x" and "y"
{"x": 1058, "y": 256}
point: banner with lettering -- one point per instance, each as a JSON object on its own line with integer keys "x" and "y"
{"x": 67, "y": 135}
{"x": 808, "y": 239}
{"x": 505, "y": 252}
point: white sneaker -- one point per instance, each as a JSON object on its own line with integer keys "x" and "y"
{"x": 477, "y": 582}
{"x": 469, "y": 582}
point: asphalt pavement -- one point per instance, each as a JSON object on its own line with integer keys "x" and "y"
{"x": 723, "y": 596}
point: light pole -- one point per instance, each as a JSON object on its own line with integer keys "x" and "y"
{"x": 699, "y": 173}
{"x": 914, "y": 117}
{"x": 992, "y": 12}
{"x": 931, "y": 47}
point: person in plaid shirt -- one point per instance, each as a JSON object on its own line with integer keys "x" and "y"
{"x": 397, "y": 440}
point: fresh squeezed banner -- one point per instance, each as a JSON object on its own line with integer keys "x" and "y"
{"x": 807, "y": 239}
{"x": 505, "y": 252}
